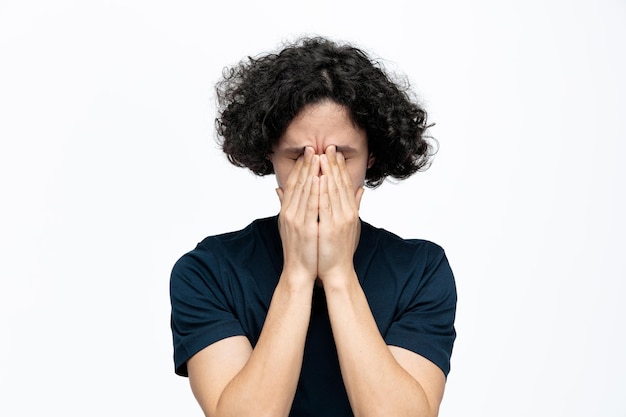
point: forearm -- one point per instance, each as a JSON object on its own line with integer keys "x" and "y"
{"x": 375, "y": 382}
{"x": 266, "y": 385}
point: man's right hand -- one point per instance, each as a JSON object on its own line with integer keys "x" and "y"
{"x": 298, "y": 219}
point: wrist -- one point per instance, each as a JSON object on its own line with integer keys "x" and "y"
{"x": 296, "y": 280}
{"x": 339, "y": 280}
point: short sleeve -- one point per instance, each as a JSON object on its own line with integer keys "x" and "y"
{"x": 202, "y": 314}
{"x": 425, "y": 325}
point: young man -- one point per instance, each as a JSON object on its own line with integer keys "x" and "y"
{"x": 314, "y": 312}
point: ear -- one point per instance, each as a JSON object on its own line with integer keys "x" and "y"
{"x": 371, "y": 160}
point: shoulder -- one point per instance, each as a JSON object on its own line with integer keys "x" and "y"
{"x": 223, "y": 249}
{"x": 234, "y": 239}
{"x": 229, "y": 243}
{"x": 401, "y": 248}
{"x": 410, "y": 263}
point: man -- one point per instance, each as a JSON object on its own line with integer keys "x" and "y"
{"x": 315, "y": 312}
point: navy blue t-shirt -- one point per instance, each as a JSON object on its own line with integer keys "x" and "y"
{"x": 224, "y": 286}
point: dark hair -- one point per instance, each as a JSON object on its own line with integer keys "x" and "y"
{"x": 260, "y": 96}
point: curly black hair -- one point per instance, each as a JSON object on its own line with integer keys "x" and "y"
{"x": 258, "y": 98}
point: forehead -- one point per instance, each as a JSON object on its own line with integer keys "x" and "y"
{"x": 320, "y": 125}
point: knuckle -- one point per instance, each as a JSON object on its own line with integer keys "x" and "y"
{"x": 300, "y": 182}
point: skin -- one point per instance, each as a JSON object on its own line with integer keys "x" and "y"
{"x": 320, "y": 190}
{"x": 315, "y": 135}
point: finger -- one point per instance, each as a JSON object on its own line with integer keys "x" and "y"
{"x": 312, "y": 212}
{"x": 280, "y": 194}
{"x": 298, "y": 177}
{"x": 290, "y": 184}
{"x": 325, "y": 206}
{"x": 330, "y": 189}
{"x": 304, "y": 183}
{"x": 315, "y": 166}
{"x": 306, "y": 162}
{"x": 329, "y": 163}
{"x": 306, "y": 197}
{"x": 347, "y": 193}
{"x": 326, "y": 172}
{"x": 336, "y": 187}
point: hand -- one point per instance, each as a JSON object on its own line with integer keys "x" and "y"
{"x": 339, "y": 224}
{"x": 297, "y": 221}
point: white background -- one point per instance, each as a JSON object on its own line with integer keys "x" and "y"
{"x": 109, "y": 172}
